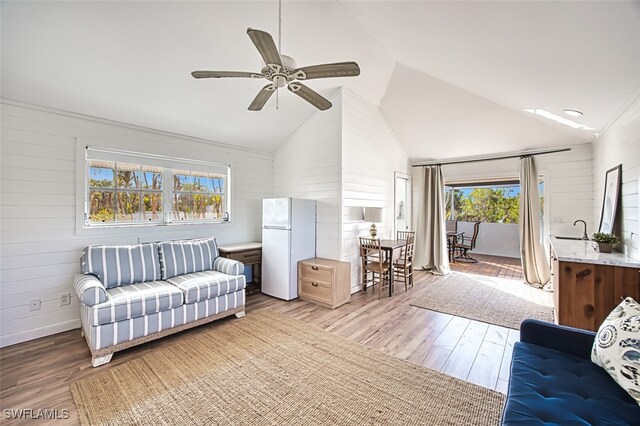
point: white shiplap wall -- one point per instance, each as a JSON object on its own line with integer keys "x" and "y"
{"x": 308, "y": 166}
{"x": 370, "y": 156}
{"x": 39, "y": 247}
{"x": 568, "y": 179}
{"x": 620, "y": 144}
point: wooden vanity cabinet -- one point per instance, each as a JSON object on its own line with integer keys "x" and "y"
{"x": 585, "y": 293}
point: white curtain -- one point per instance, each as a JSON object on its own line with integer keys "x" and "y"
{"x": 534, "y": 260}
{"x": 431, "y": 236}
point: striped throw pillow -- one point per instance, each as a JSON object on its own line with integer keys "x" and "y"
{"x": 186, "y": 257}
{"x": 121, "y": 265}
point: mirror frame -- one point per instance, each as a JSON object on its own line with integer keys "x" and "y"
{"x": 611, "y": 193}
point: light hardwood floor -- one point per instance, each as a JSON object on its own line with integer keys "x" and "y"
{"x": 36, "y": 374}
{"x": 493, "y": 266}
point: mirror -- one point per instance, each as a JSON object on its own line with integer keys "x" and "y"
{"x": 401, "y": 202}
{"x": 612, "y": 183}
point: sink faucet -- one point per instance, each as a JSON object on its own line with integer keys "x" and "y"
{"x": 584, "y": 235}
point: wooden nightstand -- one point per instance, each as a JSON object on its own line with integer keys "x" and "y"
{"x": 251, "y": 255}
{"x": 324, "y": 281}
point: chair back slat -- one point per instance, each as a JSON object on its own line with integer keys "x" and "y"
{"x": 403, "y": 235}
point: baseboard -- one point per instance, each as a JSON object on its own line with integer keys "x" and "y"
{"x": 509, "y": 255}
{"x": 36, "y": 333}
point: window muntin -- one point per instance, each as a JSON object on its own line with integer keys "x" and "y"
{"x": 134, "y": 192}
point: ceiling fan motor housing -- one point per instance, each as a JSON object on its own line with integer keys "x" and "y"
{"x": 280, "y": 75}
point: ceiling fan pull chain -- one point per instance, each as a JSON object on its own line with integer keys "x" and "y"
{"x": 280, "y": 26}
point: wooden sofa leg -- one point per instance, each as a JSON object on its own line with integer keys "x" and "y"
{"x": 97, "y": 361}
{"x": 240, "y": 314}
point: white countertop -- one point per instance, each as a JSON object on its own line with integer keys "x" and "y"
{"x": 584, "y": 252}
{"x": 232, "y": 248}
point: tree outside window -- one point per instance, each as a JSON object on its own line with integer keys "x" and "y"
{"x": 485, "y": 203}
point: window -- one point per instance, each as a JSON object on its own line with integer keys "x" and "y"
{"x": 134, "y": 191}
{"x": 197, "y": 196}
{"x": 124, "y": 193}
{"x": 488, "y": 202}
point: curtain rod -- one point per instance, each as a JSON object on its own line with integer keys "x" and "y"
{"x": 503, "y": 157}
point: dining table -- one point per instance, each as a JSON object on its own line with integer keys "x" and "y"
{"x": 452, "y": 238}
{"x": 389, "y": 247}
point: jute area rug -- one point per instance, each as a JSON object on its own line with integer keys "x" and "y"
{"x": 492, "y": 300}
{"x": 267, "y": 369}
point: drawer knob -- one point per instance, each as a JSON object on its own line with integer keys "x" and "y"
{"x": 315, "y": 268}
{"x": 314, "y": 284}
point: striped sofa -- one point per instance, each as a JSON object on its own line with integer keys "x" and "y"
{"x": 132, "y": 294}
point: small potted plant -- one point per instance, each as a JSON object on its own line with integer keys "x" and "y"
{"x": 605, "y": 241}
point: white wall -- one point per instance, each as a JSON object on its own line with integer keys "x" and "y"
{"x": 40, "y": 250}
{"x": 370, "y": 156}
{"x": 620, "y": 144}
{"x": 308, "y": 166}
{"x": 568, "y": 181}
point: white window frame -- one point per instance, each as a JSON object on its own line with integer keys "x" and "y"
{"x": 168, "y": 165}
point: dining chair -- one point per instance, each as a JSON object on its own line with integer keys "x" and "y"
{"x": 451, "y": 226}
{"x": 402, "y": 236}
{"x": 403, "y": 267}
{"x": 467, "y": 244}
{"x": 374, "y": 263}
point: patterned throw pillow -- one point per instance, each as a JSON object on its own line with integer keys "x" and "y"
{"x": 617, "y": 346}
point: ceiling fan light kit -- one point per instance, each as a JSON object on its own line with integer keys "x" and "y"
{"x": 281, "y": 70}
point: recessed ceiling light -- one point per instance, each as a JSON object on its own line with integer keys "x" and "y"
{"x": 573, "y": 112}
{"x": 558, "y": 119}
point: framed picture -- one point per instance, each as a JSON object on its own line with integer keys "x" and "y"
{"x": 612, "y": 183}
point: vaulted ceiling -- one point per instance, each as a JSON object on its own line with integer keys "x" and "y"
{"x": 451, "y": 78}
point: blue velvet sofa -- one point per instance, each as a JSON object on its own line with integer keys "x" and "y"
{"x": 553, "y": 381}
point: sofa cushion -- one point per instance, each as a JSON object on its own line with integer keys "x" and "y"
{"x": 185, "y": 257}
{"x": 551, "y": 387}
{"x": 136, "y": 300}
{"x": 617, "y": 346}
{"x": 121, "y": 265}
{"x": 207, "y": 284}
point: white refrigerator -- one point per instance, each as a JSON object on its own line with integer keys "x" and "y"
{"x": 288, "y": 235}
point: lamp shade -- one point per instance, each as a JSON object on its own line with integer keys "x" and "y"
{"x": 373, "y": 214}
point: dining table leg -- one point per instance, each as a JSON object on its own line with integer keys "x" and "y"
{"x": 391, "y": 278}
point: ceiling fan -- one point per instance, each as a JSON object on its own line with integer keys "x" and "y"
{"x": 281, "y": 70}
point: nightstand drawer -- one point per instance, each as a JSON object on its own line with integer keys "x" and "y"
{"x": 251, "y": 256}
{"x": 318, "y": 290}
{"x": 316, "y": 272}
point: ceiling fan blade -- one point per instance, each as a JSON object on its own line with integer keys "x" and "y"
{"x": 262, "y": 97}
{"x": 309, "y": 95}
{"x": 339, "y": 69}
{"x": 265, "y": 45}
{"x": 223, "y": 74}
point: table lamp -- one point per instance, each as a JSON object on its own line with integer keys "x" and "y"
{"x": 373, "y": 215}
